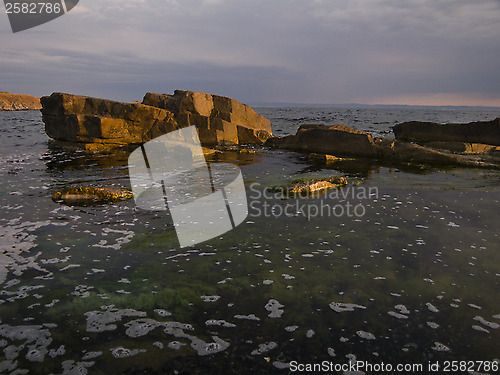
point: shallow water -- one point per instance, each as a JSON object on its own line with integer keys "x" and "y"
{"x": 106, "y": 289}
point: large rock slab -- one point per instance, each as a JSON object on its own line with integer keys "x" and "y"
{"x": 486, "y": 132}
{"x": 219, "y": 120}
{"x": 338, "y": 140}
{"x": 18, "y": 102}
{"x": 90, "y": 120}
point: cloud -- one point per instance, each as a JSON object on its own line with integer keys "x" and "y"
{"x": 291, "y": 50}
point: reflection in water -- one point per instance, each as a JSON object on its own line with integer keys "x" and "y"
{"x": 106, "y": 289}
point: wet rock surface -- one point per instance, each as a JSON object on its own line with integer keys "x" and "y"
{"x": 83, "y": 196}
{"x": 487, "y": 132}
{"x": 102, "y": 123}
{"x": 339, "y": 140}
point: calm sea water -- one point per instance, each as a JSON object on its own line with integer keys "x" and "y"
{"x": 412, "y": 276}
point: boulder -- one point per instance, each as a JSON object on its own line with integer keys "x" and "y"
{"x": 486, "y": 132}
{"x": 107, "y": 123}
{"x": 83, "y": 196}
{"x": 306, "y": 187}
{"x": 17, "y": 102}
{"x": 90, "y": 120}
{"x": 220, "y": 120}
{"x": 338, "y": 140}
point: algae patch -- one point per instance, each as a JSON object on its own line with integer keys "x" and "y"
{"x": 84, "y": 195}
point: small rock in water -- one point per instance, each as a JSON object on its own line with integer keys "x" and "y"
{"x": 84, "y": 195}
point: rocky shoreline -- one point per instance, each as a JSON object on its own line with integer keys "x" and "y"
{"x": 101, "y": 124}
{"x": 340, "y": 140}
{"x": 18, "y": 102}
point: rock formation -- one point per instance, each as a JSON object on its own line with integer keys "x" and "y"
{"x": 335, "y": 140}
{"x": 306, "y": 187}
{"x": 83, "y": 196}
{"x": 220, "y": 120}
{"x": 17, "y": 102}
{"x": 93, "y": 121}
{"x": 486, "y": 132}
{"x": 339, "y": 140}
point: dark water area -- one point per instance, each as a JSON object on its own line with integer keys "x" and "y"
{"x": 401, "y": 266}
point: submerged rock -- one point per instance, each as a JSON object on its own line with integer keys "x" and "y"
{"x": 18, "y": 102}
{"x": 83, "y": 196}
{"x": 486, "y": 132}
{"x": 305, "y": 186}
{"x": 107, "y": 123}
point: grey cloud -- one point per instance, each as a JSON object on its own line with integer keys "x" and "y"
{"x": 289, "y": 50}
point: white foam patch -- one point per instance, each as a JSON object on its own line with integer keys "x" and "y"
{"x": 274, "y": 308}
{"x": 16, "y": 239}
{"x": 264, "y": 348}
{"x": 91, "y": 355}
{"x": 140, "y": 327}
{"x": 101, "y": 321}
{"x": 119, "y": 241}
{"x": 343, "y": 307}
{"x": 36, "y": 339}
{"x": 331, "y": 352}
{"x": 219, "y": 323}
{"x": 397, "y": 315}
{"x": 480, "y": 329}
{"x": 76, "y": 368}
{"x": 487, "y": 323}
{"x": 247, "y": 317}
{"x": 431, "y": 307}
{"x": 366, "y": 335}
{"x": 121, "y": 352}
{"x": 281, "y": 365}
{"x": 439, "y": 347}
{"x": 210, "y": 298}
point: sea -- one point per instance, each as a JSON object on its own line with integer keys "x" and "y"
{"x": 399, "y": 270}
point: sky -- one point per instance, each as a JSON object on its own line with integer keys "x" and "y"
{"x": 421, "y": 52}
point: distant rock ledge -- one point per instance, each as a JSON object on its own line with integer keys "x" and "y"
{"x": 327, "y": 142}
{"x": 18, "y": 102}
{"x": 100, "y": 122}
